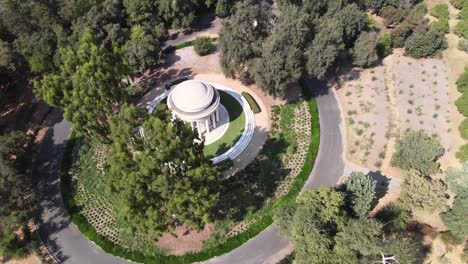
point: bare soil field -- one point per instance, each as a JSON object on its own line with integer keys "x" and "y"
{"x": 379, "y": 104}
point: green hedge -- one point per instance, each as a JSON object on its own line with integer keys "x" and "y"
{"x": 462, "y": 104}
{"x": 441, "y": 25}
{"x": 253, "y": 104}
{"x": 171, "y": 49}
{"x": 173, "y": 82}
{"x": 231, "y": 243}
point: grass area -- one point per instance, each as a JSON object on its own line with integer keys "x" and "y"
{"x": 171, "y": 49}
{"x": 253, "y": 104}
{"x": 236, "y": 126}
{"x": 266, "y": 164}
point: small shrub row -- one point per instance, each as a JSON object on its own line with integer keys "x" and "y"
{"x": 231, "y": 243}
{"x": 441, "y": 25}
{"x": 461, "y": 28}
{"x": 253, "y": 104}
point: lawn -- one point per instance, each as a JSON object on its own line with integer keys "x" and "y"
{"x": 236, "y": 127}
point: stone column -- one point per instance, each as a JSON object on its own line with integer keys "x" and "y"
{"x": 199, "y": 129}
{"x": 217, "y": 114}
{"x": 213, "y": 118}
{"x": 207, "y": 123}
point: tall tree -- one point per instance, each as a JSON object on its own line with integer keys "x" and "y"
{"x": 88, "y": 88}
{"x": 281, "y": 61}
{"x": 360, "y": 190}
{"x": 416, "y": 150}
{"x": 142, "y": 50}
{"x": 362, "y": 236}
{"x": 325, "y": 48}
{"x": 14, "y": 188}
{"x": 422, "y": 192}
{"x": 162, "y": 174}
{"x": 365, "y": 49}
{"x": 242, "y": 36}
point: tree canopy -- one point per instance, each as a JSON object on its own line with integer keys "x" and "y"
{"x": 422, "y": 192}
{"x": 361, "y": 192}
{"x": 161, "y": 175}
{"x": 88, "y": 88}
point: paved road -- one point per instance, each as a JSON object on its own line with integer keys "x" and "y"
{"x": 68, "y": 245}
{"x": 268, "y": 246}
{"x": 61, "y": 237}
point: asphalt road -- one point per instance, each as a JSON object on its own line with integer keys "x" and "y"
{"x": 328, "y": 168}
{"x": 68, "y": 245}
{"x": 62, "y": 238}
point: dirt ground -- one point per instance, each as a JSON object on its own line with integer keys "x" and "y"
{"x": 31, "y": 259}
{"x": 380, "y": 103}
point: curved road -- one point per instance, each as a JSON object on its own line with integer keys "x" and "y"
{"x": 68, "y": 245}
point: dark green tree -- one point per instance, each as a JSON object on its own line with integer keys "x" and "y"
{"x": 394, "y": 217}
{"x": 142, "y": 50}
{"x": 365, "y": 49}
{"x": 362, "y": 236}
{"x": 360, "y": 190}
{"x": 416, "y": 150}
{"x": 425, "y": 44}
{"x": 325, "y": 48}
{"x": 89, "y": 87}
{"x": 242, "y": 36}
{"x": 162, "y": 174}
{"x": 281, "y": 63}
{"x": 14, "y": 188}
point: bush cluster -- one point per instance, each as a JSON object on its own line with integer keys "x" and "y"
{"x": 440, "y": 11}
{"x": 203, "y": 46}
{"x": 462, "y": 105}
{"x": 461, "y": 28}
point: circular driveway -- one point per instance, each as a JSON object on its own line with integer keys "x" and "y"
{"x": 68, "y": 245}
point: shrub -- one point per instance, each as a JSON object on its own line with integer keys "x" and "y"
{"x": 462, "y": 153}
{"x": 463, "y": 128}
{"x": 461, "y": 29}
{"x": 462, "y": 104}
{"x": 440, "y": 11}
{"x": 203, "y": 46}
{"x": 463, "y": 45}
{"x": 384, "y": 46}
{"x": 393, "y": 15}
{"x": 425, "y": 44}
{"x": 449, "y": 239}
{"x": 365, "y": 49}
{"x": 422, "y": 192}
{"x": 253, "y": 104}
{"x": 462, "y": 82}
{"x": 458, "y": 4}
{"x": 416, "y": 150}
{"x": 463, "y": 14}
{"x": 441, "y": 25}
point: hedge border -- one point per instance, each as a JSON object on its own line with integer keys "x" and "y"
{"x": 169, "y": 49}
{"x": 252, "y": 102}
{"x": 231, "y": 243}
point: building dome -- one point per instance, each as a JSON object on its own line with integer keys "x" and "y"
{"x": 192, "y": 96}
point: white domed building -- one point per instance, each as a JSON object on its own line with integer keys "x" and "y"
{"x": 197, "y": 103}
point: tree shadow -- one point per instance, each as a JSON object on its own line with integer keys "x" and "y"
{"x": 250, "y": 189}
{"x": 52, "y": 216}
{"x": 381, "y": 187}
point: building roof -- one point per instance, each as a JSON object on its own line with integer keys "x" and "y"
{"x": 193, "y": 98}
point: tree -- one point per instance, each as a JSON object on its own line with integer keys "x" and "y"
{"x": 142, "y": 13}
{"x": 281, "y": 61}
{"x": 162, "y": 174}
{"x": 225, "y": 8}
{"x": 142, "y": 50}
{"x": 242, "y": 35}
{"x": 360, "y": 190}
{"x": 416, "y": 150}
{"x": 394, "y": 217}
{"x": 14, "y": 188}
{"x": 426, "y": 44}
{"x": 422, "y": 192}
{"x": 325, "y": 48}
{"x": 88, "y": 88}
{"x": 310, "y": 222}
{"x": 10, "y": 60}
{"x": 378, "y": 5}
{"x": 354, "y": 21}
{"x": 362, "y": 236}
{"x": 365, "y": 49}
{"x": 202, "y": 46}
{"x": 455, "y": 217}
